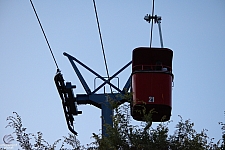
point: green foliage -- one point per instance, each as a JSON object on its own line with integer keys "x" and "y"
{"x": 185, "y": 137}
{"x": 29, "y": 141}
{"x": 125, "y": 136}
{"x": 223, "y": 134}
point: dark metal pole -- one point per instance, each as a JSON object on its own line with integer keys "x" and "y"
{"x": 107, "y": 116}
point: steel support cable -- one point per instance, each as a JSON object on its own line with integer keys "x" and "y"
{"x": 152, "y": 18}
{"x": 100, "y": 36}
{"x": 44, "y": 35}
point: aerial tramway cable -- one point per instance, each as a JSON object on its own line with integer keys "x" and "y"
{"x": 42, "y": 29}
{"x": 60, "y": 86}
{"x": 151, "y": 32}
{"x": 100, "y": 36}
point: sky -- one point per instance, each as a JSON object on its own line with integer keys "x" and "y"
{"x": 194, "y": 30}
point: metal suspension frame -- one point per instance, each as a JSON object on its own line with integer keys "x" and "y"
{"x": 101, "y": 101}
{"x": 156, "y": 19}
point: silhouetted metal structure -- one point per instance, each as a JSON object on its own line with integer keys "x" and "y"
{"x": 150, "y": 83}
{"x": 101, "y": 101}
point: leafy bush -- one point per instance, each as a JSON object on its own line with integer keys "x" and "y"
{"x": 125, "y": 136}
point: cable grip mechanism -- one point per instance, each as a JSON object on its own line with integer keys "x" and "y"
{"x": 156, "y": 19}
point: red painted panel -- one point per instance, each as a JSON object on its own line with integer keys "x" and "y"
{"x": 152, "y": 85}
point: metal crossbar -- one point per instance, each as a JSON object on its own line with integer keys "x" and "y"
{"x": 101, "y": 101}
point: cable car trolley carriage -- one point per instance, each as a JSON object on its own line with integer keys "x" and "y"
{"x": 152, "y": 78}
{"x": 152, "y": 83}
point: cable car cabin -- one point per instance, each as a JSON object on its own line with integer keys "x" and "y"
{"x": 152, "y": 83}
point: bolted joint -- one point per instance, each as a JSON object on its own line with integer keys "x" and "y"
{"x": 69, "y": 85}
{"x": 147, "y": 18}
{"x": 157, "y": 19}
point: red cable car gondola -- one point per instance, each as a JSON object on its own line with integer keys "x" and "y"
{"x": 152, "y": 83}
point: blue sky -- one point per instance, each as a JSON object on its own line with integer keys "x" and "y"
{"x": 194, "y": 30}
